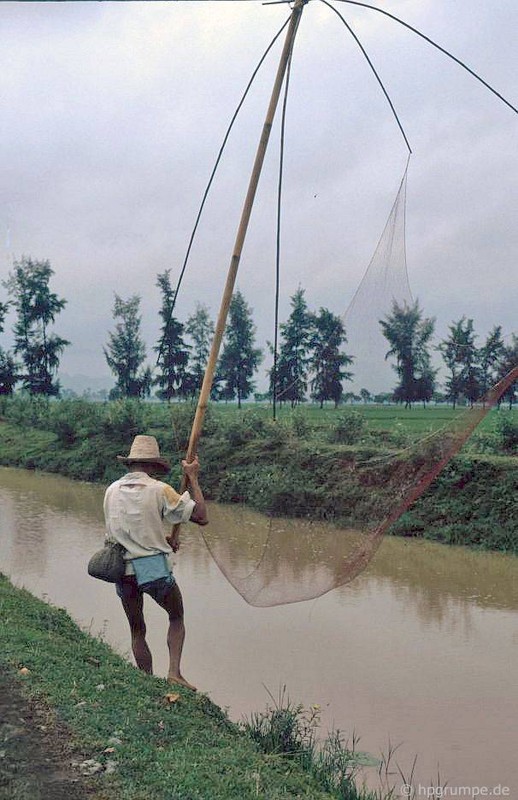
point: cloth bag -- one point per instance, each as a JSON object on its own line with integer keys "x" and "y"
{"x": 108, "y": 563}
{"x": 149, "y": 569}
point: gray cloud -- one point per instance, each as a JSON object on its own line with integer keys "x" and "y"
{"x": 113, "y": 114}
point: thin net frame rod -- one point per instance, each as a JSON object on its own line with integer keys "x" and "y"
{"x": 278, "y": 241}
{"x": 213, "y": 174}
{"x": 437, "y": 46}
{"x": 374, "y": 70}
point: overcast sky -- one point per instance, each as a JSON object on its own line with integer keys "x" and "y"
{"x": 113, "y": 113}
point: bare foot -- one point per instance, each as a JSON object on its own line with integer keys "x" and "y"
{"x": 180, "y": 681}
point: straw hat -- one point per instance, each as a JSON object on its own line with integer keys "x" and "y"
{"x": 145, "y": 449}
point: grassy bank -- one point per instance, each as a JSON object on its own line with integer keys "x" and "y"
{"x": 147, "y": 744}
{"x": 303, "y": 465}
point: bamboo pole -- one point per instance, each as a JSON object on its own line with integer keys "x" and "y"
{"x": 241, "y": 234}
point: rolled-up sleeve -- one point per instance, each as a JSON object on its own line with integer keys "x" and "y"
{"x": 177, "y": 508}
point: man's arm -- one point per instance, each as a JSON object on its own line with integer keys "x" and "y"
{"x": 199, "y": 512}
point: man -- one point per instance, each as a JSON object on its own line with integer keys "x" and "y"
{"x": 137, "y": 508}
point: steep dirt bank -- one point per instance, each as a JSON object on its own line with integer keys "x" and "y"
{"x": 37, "y": 758}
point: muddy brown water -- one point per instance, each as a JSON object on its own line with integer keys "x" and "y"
{"x": 419, "y": 650}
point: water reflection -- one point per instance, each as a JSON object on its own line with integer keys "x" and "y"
{"x": 420, "y": 647}
{"x": 253, "y": 551}
{"x": 290, "y": 552}
{"x": 270, "y": 562}
{"x": 45, "y": 522}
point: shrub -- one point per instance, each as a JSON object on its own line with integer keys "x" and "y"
{"x": 246, "y": 427}
{"x": 348, "y": 428}
{"x": 300, "y": 425}
{"x": 249, "y": 484}
{"x": 28, "y": 411}
{"x": 181, "y": 417}
{"x": 123, "y": 419}
{"x": 507, "y": 430}
{"x": 74, "y": 420}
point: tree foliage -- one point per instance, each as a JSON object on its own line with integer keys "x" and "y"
{"x": 8, "y": 374}
{"x": 327, "y": 362}
{"x": 490, "y": 356}
{"x": 200, "y": 328}
{"x": 508, "y": 361}
{"x": 240, "y": 358}
{"x": 409, "y": 335}
{"x": 460, "y": 355}
{"x": 173, "y": 353}
{"x": 36, "y": 309}
{"x": 125, "y": 352}
{"x": 289, "y": 379}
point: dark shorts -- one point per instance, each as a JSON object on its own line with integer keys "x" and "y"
{"x": 158, "y": 590}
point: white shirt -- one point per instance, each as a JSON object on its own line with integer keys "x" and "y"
{"x": 139, "y": 512}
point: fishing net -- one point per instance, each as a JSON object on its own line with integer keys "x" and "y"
{"x": 275, "y": 562}
{"x": 385, "y": 281}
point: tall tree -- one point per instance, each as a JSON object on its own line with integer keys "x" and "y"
{"x": 8, "y": 368}
{"x": 409, "y": 335}
{"x": 200, "y": 328}
{"x": 239, "y": 359}
{"x": 489, "y": 357}
{"x": 508, "y": 361}
{"x": 173, "y": 353}
{"x": 460, "y": 355}
{"x": 425, "y": 382}
{"x": 294, "y": 353}
{"x": 126, "y": 352}
{"x": 327, "y": 361}
{"x": 36, "y": 308}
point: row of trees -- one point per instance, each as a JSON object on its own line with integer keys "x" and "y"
{"x": 310, "y": 357}
{"x": 471, "y": 370}
{"x": 180, "y": 365}
{"x": 309, "y": 343}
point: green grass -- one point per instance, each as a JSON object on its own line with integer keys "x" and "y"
{"x": 380, "y": 416}
{"x": 307, "y": 464}
{"x": 404, "y": 426}
{"x": 291, "y": 729}
{"x": 473, "y": 502}
{"x": 186, "y": 750}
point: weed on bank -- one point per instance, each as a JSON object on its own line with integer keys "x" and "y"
{"x": 146, "y": 741}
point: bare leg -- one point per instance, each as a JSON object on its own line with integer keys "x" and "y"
{"x": 173, "y": 604}
{"x": 133, "y": 606}
{"x": 175, "y": 639}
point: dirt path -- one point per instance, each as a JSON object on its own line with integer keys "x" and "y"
{"x": 36, "y": 758}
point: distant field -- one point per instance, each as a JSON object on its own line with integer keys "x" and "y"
{"x": 416, "y": 420}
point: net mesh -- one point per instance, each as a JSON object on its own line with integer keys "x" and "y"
{"x": 275, "y": 562}
{"x": 278, "y": 561}
{"x": 385, "y": 281}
